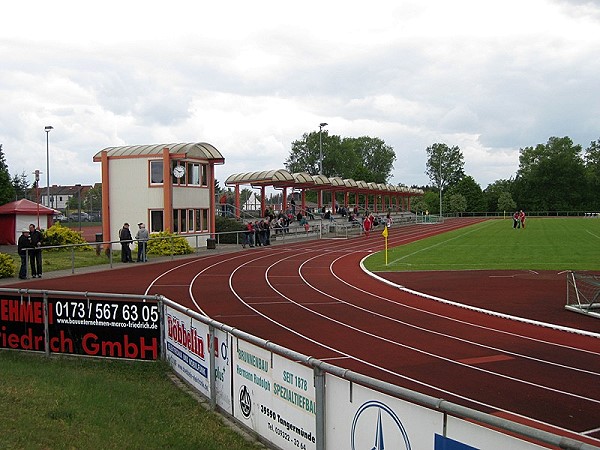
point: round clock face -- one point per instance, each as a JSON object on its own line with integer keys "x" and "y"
{"x": 179, "y": 171}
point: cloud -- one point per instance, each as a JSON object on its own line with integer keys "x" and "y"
{"x": 251, "y": 78}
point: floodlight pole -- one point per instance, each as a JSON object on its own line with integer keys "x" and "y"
{"x": 47, "y": 130}
{"x": 321, "y": 125}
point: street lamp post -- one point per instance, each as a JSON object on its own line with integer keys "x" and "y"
{"x": 321, "y": 125}
{"x": 79, "y": 204}
{"x": 47, "y": 130}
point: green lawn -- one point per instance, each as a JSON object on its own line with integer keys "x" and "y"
{"x": 83, "y": 403}
{"x": 545, "y": 244}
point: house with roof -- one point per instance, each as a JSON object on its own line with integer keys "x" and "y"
{"x": 61, "y": 195}
{"x": 169, "y": 187}
{"x": 15, "y": 216}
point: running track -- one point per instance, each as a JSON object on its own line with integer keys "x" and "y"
{"x": 314, "y": 298}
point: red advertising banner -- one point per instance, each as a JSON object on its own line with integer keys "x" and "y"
{"x": 106, "y": 328}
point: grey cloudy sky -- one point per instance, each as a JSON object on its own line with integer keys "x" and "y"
{"x": 251, "y": 77}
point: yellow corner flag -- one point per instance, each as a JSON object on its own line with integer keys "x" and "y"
{"x": 384, "y": 233}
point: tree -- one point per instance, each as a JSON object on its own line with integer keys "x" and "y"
{"x": 494, "y": 191}
{"x": 92, "y": 200}
{"x": 471, "y": 192}
{"x": 444, "y": 166}
{"x": 592, "y": 171}
{"x": 371, "y": 159}
{"x": 7, "y": 191}
{"x": 551, "y": 176}
{"x": 363, "y": 158}
{"x": 21, "y": 186}
{"x": 457, "y": 203}
{"x": 506, "y": 202}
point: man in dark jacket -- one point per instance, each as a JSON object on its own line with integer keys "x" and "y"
{"x": 126, "y": 239}
{"x": 35, "y": 255}
{"x": 23, "y": 244}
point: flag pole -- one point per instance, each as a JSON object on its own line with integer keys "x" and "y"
{"x": 384, "y": 233}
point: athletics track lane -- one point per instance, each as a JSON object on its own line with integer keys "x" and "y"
{"x": 310, "y": 297}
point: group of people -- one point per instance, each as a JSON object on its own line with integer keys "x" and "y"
{"x": 126, "y": 239}
{"x": 519, "y": 219}
{"x": 29, "y": 246}
{"x": 257, "y": 233}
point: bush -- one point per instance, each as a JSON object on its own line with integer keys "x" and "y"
{"x": 223, "y": 225}
{"x": 7, "y": 266}
{"x": 166, "y": 243}
{"x": 59, "y": 235}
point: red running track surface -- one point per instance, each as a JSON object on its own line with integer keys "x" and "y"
{"x": 314, "y": 298}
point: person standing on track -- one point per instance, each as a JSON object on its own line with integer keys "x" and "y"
{"x": 126, "y": 239}
{"x": 367, "y": 224}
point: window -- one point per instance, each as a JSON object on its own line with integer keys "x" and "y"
{"x": 156, "y": 221}
{"x": 193, "y": 172}
{"x": 204, "y": 175}
{"x": 156, "y": 172}
{"x": 190, "y": 220}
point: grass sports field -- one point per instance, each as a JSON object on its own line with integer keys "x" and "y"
{"x": 545, "y": 244}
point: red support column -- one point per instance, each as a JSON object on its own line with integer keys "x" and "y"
{"x": 237, "y": 201}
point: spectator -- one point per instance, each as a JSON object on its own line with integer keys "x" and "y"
{"x": 35, "y": 237}
{"x": 126, "y": 239}
{"x": 142, "y": 236}
{"x": 23, "y": 244}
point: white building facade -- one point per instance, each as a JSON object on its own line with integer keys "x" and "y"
{"x": 169, "y": 187}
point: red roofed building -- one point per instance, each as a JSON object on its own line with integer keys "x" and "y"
{"x": 15, "y": 216}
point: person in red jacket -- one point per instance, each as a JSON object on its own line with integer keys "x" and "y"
{"x": 368, "y": 223}
{"x": 522, "y": 218}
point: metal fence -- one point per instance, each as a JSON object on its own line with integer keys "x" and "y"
{"x": 289, "y": 399}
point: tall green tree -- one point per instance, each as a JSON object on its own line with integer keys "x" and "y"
{"x": 21, "y": 186}
{"x": 551, "y": 177}
{"x": 592, "y": 171}
{"x": 468, "y": 188}
{"x": 7, "y": 191}
{"x": 506, "y": 202}
{"x": 496, "y": 190}
{"x": 444, "y": 166}
{"x": 363, "y": 158}
{"x": 457, "y": 203}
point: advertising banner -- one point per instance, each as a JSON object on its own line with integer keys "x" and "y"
{"x": 186, "y": 349}
{"x": 223, "y": 370}
{"x": 478, "y": 437}
{"x": 117, "y": 329}
{"x": 362, "y": 418}
{"x": 275, "y": 397}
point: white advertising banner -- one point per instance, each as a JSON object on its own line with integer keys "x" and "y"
{"x": 222, "y": 348}
{"x": 275, "y": 397}
{"x": 359, "y": 418}
{"x": 480, "y": 437}
{"x": 186, "y": 349}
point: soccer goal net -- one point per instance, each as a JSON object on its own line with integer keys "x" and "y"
{"x": 583, "y": 293}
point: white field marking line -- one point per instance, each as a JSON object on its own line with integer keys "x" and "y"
{"x": 484, "y": 311}
{"x": 460, "y": 236}
{"x": 153, "y": 282}
{"x": 347, "y": 355}
{"x": 433, "y": 355}
{"x": 478, "y": 344}
{"x": 409, "y": 378}
{"x": 586, "y": 432}
{"x": 595, "y": 235}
